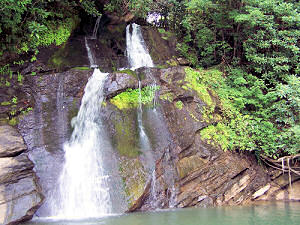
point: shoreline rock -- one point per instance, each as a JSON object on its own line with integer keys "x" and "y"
{"x": 20, "y": 193}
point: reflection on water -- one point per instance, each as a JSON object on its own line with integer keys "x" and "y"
{"x": 263, "y": 214}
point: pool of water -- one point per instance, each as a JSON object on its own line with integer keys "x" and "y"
{"x": 264, "y": 214}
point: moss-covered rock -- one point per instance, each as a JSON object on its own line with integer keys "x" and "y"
{"x": 131, "y": 98}
{"x": 134, "y": 179}
{"x": 161, "y": 45}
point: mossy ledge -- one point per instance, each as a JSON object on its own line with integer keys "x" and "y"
{"x": 130, "y": 98}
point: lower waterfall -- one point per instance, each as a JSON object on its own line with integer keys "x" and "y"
{"x": 83, "y": 184}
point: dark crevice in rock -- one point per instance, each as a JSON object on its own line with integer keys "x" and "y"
{"x": 240, "y": 173}
{"x": 110, "y": 96}
{"x": 184, "y": 99}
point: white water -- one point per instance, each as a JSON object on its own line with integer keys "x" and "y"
{"x": 138, "y": 56}
{"x": 83, "y": 188}
{"x": 95, "y": 31}
{"x": 90, "y": 54}
{"x": 137, "y": 53}
{"x": 83, "y": 184}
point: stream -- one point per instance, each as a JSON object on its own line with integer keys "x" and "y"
{"x": 265, "y": 214}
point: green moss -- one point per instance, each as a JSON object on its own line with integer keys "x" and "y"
{"x": 194, "y": 82}
{"x": 194, "y": 117}
{"x": 81, "y": 68}
{"x": 161, "y": 66}
{"x": 126, "y": 138}
{"x": 189, "y": 164}
{"x": 167, "y": 97}
{"x": 129, "y": 72}
{"x": 5, "y": 103}
{"x": 58, "y": 57}
{"x": 134, "y": 180}
{"x": 13, "y": 121}
{"x": 179, "y": 105}
{"x": 172, "y": 62}
{"x": 130, "y": 98}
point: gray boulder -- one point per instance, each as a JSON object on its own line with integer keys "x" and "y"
{"x": 20, "y": 194}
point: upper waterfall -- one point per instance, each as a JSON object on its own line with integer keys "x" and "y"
{"x": 137, "y": 53}
{"x": 90, "y": 54}
{"x": 96, "y": 27}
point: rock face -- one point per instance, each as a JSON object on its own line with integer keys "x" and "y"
{"x": 20, "y": 194}
{"x": 189, "y": 171}
{"x": 161, "y": 45}
{"x": 163, "y": 159}
{"x": 11, "y": 142}
{"x": 137, "y": 152}
{"x": 56, "y": 98}
{"x": 206, "y": 175}
{"x": 280, "y": 188}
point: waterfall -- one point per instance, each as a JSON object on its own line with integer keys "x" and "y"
{"x": 137, "y": 53}
{"x": 83, "y": 188}
{"x": 143, "y": 137}
{"x": 95, "y": 31}
{"x": 138, "y": 56}
{"x": 90, "y": 54}
{"x": 84, "y": 183}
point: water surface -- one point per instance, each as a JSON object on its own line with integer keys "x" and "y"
{"x": 264, "y": 214}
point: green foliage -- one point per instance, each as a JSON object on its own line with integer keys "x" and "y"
{"x": 200, "y": 81}
{"x": 37, "y": 23}
{"x": 179, "y": 105}
{"x": 6, "y": 75}
{"x": 272, "y": 39}
{"x": 257, "y": 42}
{"x": 139, "y": 8}
{"x": 54, "y": 33}
{"x": 130, "y": 98}
{"x": 267, "y": 123}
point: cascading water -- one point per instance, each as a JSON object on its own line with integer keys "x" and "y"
{"x": 83, "y": 184}
{"x": 144, "y": 140}
{"x": 90, "y": 55}
{"x": 137, "y": 52}
{"x": 95, "y": 31}
{"x": 138, "y": 56}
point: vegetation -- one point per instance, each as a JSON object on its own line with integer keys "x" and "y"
{"x": 271, "y": 128}
{"x": 27, "y": 25}
{"x": 139, "y": 8}
{"x": 131, "y": 97}
{"x": 257, "y": 42}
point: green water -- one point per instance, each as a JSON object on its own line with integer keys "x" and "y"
{"x": 266, "y": 214}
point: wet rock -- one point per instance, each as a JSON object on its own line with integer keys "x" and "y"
{"x": 204, "y": 174}
{"x": 261, "y": 191}
{"x": 109, "y": 49}
{"x": 20, "y": 194}
{"x": 182, "y": 61}
{"x": 57, "y": 99}
{"x": 11, "y": 143}
{"x": 282, "y": 188}
{"x": 118, "y": 82}
{"x": 161, "y": 45}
